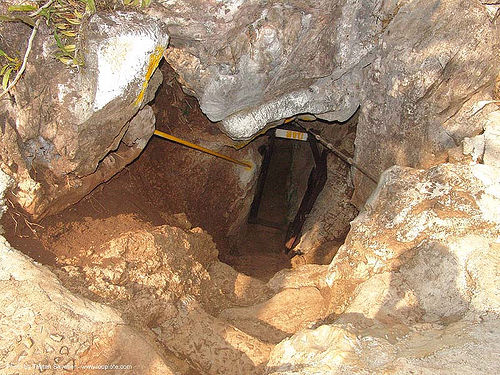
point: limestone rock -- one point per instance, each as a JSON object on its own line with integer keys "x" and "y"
{"x": 430, "y": 69}
{"x": 474, "y": 147}
{"x": 492, "y": 140}
{"x": 211, "y": 345}
{"x": 308, "y": 275}
{"x": 419, "y": 318}
{"x": 140, "y": 128}
{"x": 286, "y": 313}
{"x": 459, "y": 348}
{"x": 448, "y": 207}
{"x": 169, "y": 280}
{"x": 415, "y": 287}
{"x": 250, "y": 63}
{"x": 62, "y": 128}
{"x": 237, "y": 288}
{"x": 143, "y": 273}
{"x": 45, "y": 327}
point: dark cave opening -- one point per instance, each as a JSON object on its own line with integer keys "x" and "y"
{"x": 172, "y": 184}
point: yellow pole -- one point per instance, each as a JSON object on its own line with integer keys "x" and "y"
{"x": 203, "y": 149}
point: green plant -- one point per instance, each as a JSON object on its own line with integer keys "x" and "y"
{"x": 8, "y": 65}
{"x": 137, "y": 3}
{"x": 64, "y": 17}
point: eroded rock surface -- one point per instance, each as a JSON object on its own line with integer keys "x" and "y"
{"x": 251, "y": 63}
{"x": 284, "y": 314}
{"x": 448, "y": 207}
{"x": 416, "y": 70}
{"x": 45, "y": 327}
{"x": 416, "y": 285}
{"x": 308, "y": 275}
{"x": 212, "y": 345}
{"x": 458, "y": 348}
{"x": 169, "y": 280}
{"x": 430, "y": 70}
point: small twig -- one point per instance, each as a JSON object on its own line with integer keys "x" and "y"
{"x": 12, "y": 204}
{"x": 25, "y": 60}
{"x": 15, "y": 221}
{"x": 93, "y": 206}
{"x": 28, "y": 224}
{"x": 35, "y": 224}
{"x": 119, "y": 156}
{"x": 17, "y": 224}
{"x": 100, "y": 204}
{"x": 168, "y": 127}
{"x": 39, "y": 10}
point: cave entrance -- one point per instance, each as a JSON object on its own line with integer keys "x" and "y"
{"x": 168, "y": 184}
{"x": 288, "y": 179}
{"x": 175, "y": 185}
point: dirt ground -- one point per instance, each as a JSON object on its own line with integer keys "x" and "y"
{"x": 166, "y": 179}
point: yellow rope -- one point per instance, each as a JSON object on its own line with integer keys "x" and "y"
{"x": 200, "y": 148}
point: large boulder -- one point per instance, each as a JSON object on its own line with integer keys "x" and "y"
{"x": 416, "y": 285}
{"x": 434, "y": 62}
{"x": 286, "y": 313}
{"x": 47, "y": 328}
{"x": 251, "y": 62}
{"x": 448, "y": 209}
{"x": 65, "y": 130}
{"x": 462, "y": 347}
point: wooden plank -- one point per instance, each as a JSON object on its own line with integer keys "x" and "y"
{"x": 254, "y": 209}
